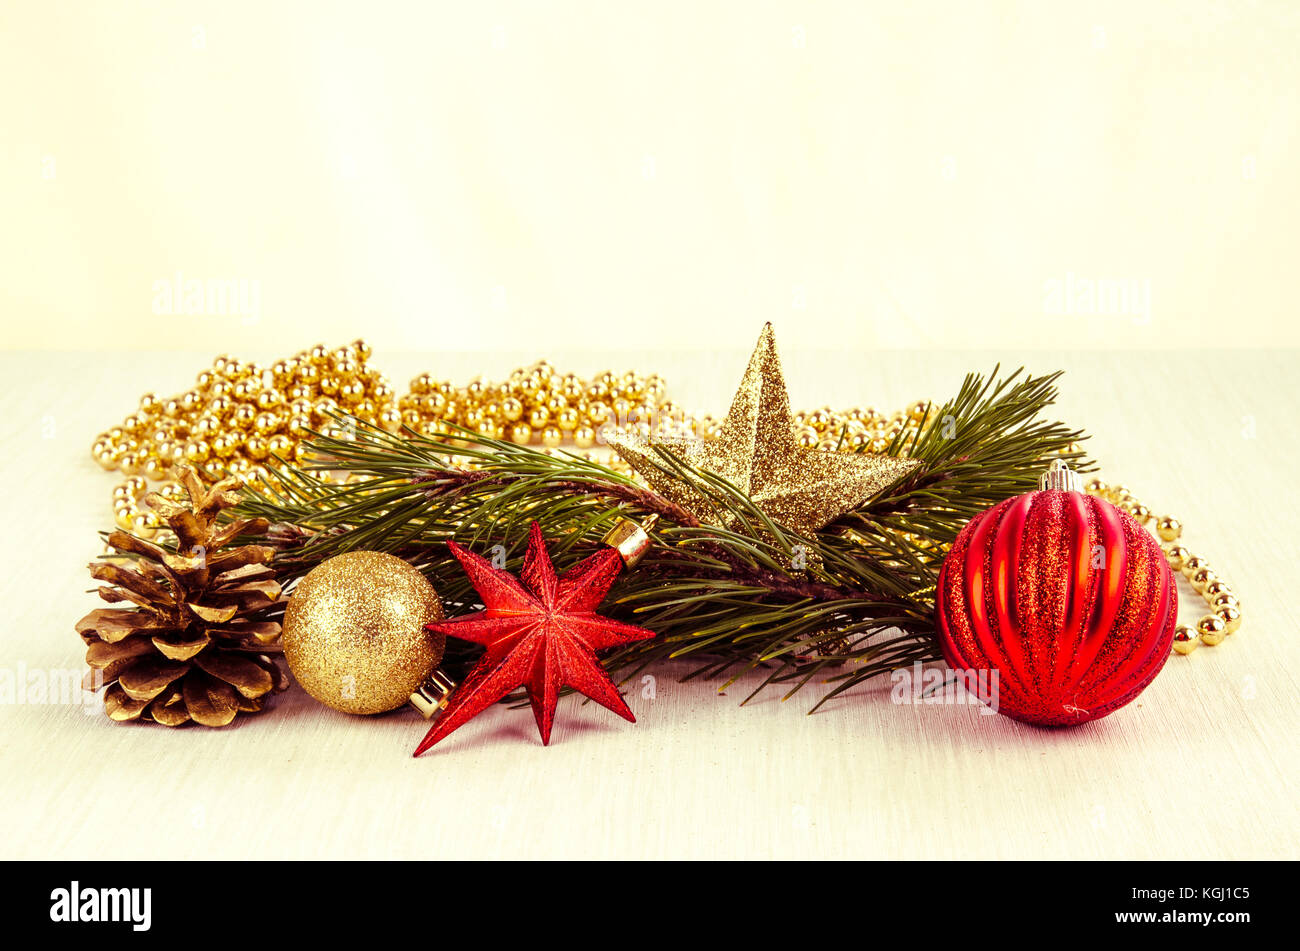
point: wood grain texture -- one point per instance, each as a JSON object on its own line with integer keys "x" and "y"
{"x": 1203, "y": 765}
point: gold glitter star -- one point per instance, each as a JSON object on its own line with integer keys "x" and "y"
{"x": 802, "y": 489}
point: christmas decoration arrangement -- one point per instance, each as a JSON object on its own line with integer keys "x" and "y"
{"x": 458, "y": 546}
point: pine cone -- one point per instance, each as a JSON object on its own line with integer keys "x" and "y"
{"x": 190, "y": 647}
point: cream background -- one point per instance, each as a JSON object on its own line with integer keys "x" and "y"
{"x": 612, "y": 176}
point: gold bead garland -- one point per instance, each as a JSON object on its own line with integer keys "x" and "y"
{"x": 1225, "y": 610}
{"x": 238, "y": 417}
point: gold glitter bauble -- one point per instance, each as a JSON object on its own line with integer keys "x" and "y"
{"x": 354, "y": 632}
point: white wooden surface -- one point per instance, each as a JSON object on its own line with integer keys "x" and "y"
{"x": 1203, "y": 765}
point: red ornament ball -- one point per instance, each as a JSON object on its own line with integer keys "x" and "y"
{"x": 1068, "y": 598}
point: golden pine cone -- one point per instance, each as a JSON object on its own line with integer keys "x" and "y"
{"x": 190, "y": 647}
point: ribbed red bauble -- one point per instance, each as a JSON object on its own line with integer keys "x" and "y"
{"x": 1068, "y": 598}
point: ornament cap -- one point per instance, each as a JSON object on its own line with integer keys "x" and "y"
{"x": 1060, "y": 477}
{"x": 432, "y": 695}
{"x": 629, "y": 539}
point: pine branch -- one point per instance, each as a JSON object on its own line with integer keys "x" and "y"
{"x": 844, "y": 604}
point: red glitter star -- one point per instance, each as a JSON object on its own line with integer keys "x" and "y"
{"x": 541, "y": 634}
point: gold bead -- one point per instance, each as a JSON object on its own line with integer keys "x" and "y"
{"x": 1176, "y": 555}
{"x": 319, "y": 355}
{"x": 214, "y": 470}
{"x": 361, "y": 349}
{"x": 567, "y": 419}
{"x": 256, "y": 447}
{"x": 1186, "y": 639}
{"x": 1215, "y": 588}
{"x": 352, "y": 391}
{"x": 390, "y": 420}
{"x": 539, "y": 417}
{"x": 1225, "y": 600}
{"x": 1169, "y": 528}
{"x": 299, "y": 426}
{"x": 197, "y": 451}
{"x": 512, "y": 409}
{"x": 807, "y": 437}
{"x": 1201, "y": 578}
{"x": 131, "y": 462}
{"x": 1094, "y": 486}
{"x": 191, "y": 402}
{"x": 329, "y": 385}
{"x": 1141, "y": 513}
{"x": 224, "y": 445}
{"x": 1231, "y": 618}
{"x": 221, "y": 407}
{"x": 144, "y": 524}
{"x": 521, "y": 433}
{"x": 308, "y": 375}
{"x": 150, "y": 404}
{"x": 1212, "y": 629}
{"x": 552, "y": 437}
{"x": 243, "y": 415}
{"x": 432, "y": 404}
{"x": 280, "y": 445}
{"x": 584, "y": 437}
{"x": 155, "y": 467}
{"x": 572, "y": 388}
{"x": 266, "y": 424}
{"x": 1193, "y": 564}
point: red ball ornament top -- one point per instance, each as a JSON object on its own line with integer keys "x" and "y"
{"x": 1065, "y": 596}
